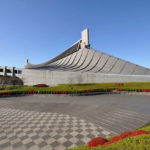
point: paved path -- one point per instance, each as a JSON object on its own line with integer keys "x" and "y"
{"x": 48, "y": 122}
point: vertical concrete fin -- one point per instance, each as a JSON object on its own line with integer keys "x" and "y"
{"x": 85, "y": 38}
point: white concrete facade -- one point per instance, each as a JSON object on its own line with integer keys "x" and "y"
{"x": 32, "y": 77}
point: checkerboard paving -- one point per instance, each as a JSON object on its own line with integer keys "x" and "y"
{"x": 31, "y": 130}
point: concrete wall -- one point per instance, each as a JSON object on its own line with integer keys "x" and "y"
{"x": 32, "y": 77}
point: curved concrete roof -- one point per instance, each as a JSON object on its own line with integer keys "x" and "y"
{"x": 81, "y": 58}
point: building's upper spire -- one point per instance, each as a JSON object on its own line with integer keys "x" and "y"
{"x": 85, "y": 38}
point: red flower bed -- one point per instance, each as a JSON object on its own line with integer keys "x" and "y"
{"x": 5, "y": 93}
{"x": 60, "y": 92}
{"x": 40, "y": 85}
{"x": 102, "y": 141}
{"x": 83, "y": 91}
{"x": 107, "y": 143}
{"x": 115, "y": 139}
{"x": 125, "y": 134}
{"x": 138, "y": 132}
{"x": 96, "y": 142}
{"x": 120, "y": 84}
{"x": 110, "y": 90}
{"x": 118, "y": 90}
{"x": 31, "y": 92}
{"x": 144, "y": 90}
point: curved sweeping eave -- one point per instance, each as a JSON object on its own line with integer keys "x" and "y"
{"x": 70, "y": 50}
{"x": 80, "y": 58}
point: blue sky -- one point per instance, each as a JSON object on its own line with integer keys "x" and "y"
{"x": 41, "y": 29}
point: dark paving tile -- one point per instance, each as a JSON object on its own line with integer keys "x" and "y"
{"x": 54, "y": 144}
{"x": 49, "y": 131}
{"x": 42, "y": 127}
{"x": 28, "y": 145}
{"x": 3, "y": 137}
{"x": 57, "y": 136}
{"x": 79, "y": 136}
{"x": 7, "y": 144}
{"x": 68, "y": 136}
{"x": 1, "y": 132}
{"x": 13, "y": 138}
{"x": 16, "y": 145}
{"x": 33, "y": 127}
{"x": 69, "y": 130}
{"x": 79, "y": 130}
{"x": 42, "y": 144}
{"x": 24, "y": 137}
{"x": 39, "y": 131}
{"x": 59, "y": 130}
{"x": 88, "y": 130}
{"x": 30, "y": 131}
{"x": 98, "y": 130}
{"x": 35, "y": 137}
{"x": 90, "y": 135}
{"x": 46, "y": 137}
{"x": 24, "y": 127}
{"x": 67, "y": 144}
{"x": 18, "y": 132}
{"x": 79, "y": 143}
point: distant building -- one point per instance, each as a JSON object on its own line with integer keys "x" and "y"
{"x": 81, "y": 64}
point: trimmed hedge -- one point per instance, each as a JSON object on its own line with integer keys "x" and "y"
{"x": 8, "y": 93}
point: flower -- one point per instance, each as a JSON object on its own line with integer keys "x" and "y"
{"x": 125, "y": 134}
{"x": 96, "y": 142}
{"x": 138, "y": 132}
{"x": 107, "y": 143}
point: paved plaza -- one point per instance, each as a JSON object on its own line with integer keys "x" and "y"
{"x": 58, "y": 122}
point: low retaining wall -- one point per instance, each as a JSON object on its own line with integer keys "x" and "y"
{"x": 32, "y": 77}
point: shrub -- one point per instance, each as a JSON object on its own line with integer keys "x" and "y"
{"x": 40, "y": 85}
{"x": 96, "y": 141}
{"x": 120, "y": 84}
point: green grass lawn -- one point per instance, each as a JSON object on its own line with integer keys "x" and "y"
{"x": 132, "y": 86}
{"x": 141, "y": 142}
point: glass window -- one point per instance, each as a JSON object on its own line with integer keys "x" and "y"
{"x": 8, "y": 71}
{"x": 19, "y": 71}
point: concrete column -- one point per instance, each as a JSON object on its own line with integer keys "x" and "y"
{"x": 13, "y": 71}
{"x": 5, "y": 71}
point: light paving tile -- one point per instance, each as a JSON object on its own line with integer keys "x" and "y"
{"x": 35, "y": 130}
